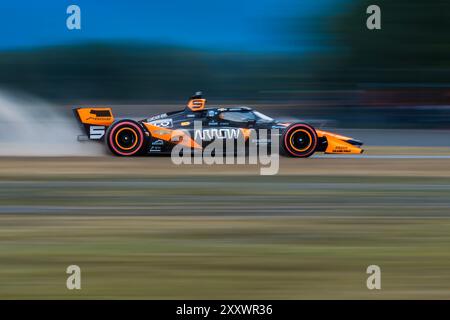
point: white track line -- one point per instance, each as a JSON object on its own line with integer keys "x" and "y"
{"x": 357, "y": 156}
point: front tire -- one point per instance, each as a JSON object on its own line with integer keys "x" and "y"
{"x": 126, "y": 138}
{"x": 299, "y": 140}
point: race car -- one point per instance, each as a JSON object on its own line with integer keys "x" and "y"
{"x": 159, "y": 134}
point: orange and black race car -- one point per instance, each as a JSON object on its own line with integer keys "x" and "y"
{"x": 195, "y": 127}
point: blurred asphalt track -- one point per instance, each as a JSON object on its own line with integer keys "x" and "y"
{"x": 143, "y": 228}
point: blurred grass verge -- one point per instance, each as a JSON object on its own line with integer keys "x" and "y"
{"x": 156, "y": 233}
{"x": 224, "y": 258}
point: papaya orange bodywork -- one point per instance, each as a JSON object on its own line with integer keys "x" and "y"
{"x": 338, "y": 143}
{"x": 246, "y": 133}
{"x": 96, "y": 116}
{"x": 196, "y": 104}
{"x": 176, "y": 136}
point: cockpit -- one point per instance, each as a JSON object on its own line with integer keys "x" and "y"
{"x": 244, "y": 116}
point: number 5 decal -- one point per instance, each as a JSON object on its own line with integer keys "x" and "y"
{"x": 96, "y": 132}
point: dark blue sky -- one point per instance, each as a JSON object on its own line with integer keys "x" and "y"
{"x": 243, "y": 25}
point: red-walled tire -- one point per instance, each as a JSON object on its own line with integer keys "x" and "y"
{"x": 126, "y": 138}
{"x": 299, "y": 140}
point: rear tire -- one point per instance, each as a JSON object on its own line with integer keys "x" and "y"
{"x": 126, "y": 138}
{"x": 299, "y": 140}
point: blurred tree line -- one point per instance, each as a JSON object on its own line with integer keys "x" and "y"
{"x": 410, "y": 51}
{"x": 133, "y": 72}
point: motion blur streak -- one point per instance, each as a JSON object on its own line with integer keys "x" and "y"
{"x": 30, "y": 126}
{"x": 144, "y": 228}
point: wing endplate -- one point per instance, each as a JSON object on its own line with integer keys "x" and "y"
{"x": 338, "y": 144}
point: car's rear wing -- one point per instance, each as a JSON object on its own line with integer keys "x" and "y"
{"x": 94, "y": 122}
